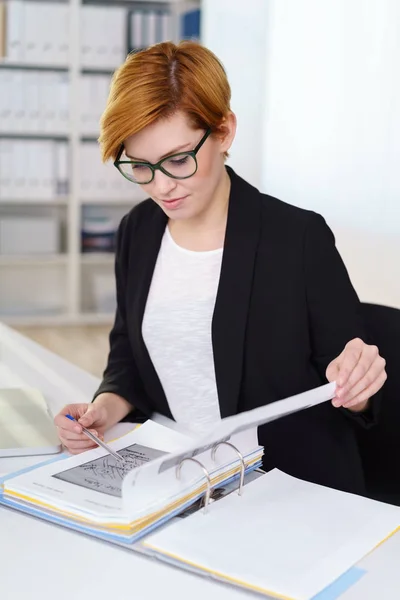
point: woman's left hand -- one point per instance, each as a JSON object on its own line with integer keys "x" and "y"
{"x": 359, "y": 372}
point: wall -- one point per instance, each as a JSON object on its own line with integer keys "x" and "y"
{"x": 238, "y": 38}
{"x": 329, "y": 122}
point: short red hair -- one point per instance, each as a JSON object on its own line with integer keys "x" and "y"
{"x": 158, "y": 81}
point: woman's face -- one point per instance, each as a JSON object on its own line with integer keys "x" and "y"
{"x": 182, "y": 198}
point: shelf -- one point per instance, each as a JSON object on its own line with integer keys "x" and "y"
{"x": 57, "y": 319}
{"x": 97, "y": 258}
{"x": 35, "y": 202}
{"x": 50, "y": 1}
{"x": 154, "y": 4}
{"x": 76, "y": 278}
{"x": 89, "y": 139}
{"x": 26, "y": 67}
{"x": 38, "y": 260}
{"x": 34, "y": 136}
{"x": 94, "y": 71}
{"x": 54, "y": 68}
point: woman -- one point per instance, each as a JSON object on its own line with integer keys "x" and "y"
{"x": 228, "y": 299}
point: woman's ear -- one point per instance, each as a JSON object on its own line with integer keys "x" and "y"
{"x": 227, "y": 131}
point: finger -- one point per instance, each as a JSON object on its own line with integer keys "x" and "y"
{"x": 79, "y": 445}
{"x": 91, "y": 416}
{"x": 362, "y": 376}
{"x": 65, "y": 424}
{"x": 374, "y": 371}
{"x": 367, "y": 358}
{"x": 348, "y": 361}
{"x": 332, "y": 371}
{"x": 71, "y": 435}
{"x": 76, "y": 411}
{"x": 77, "y": 450}
{"x": 374, "y": 387}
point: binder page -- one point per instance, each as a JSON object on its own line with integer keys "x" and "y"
{"x": 240, "y": 429}
{"x": 283, "y": 537}
{"x": 90, "y": 483}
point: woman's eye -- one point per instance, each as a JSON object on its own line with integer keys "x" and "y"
{"x": 179, "y": 161}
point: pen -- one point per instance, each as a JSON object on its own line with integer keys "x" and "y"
{"x": 97, "y": 440}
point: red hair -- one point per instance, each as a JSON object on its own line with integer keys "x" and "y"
{"x": 155, "y": 83}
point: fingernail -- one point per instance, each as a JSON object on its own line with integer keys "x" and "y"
{"x": 336, "y": 402}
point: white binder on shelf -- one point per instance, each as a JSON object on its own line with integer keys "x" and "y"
{"x": 15, "y": 38}
{"x": 32, "y": 100}
{"x": 152, "y": 18}
{"x": 36, "y": 29}
{"x": 17, "y": 170}
{"x": 6, "y": 79}
{"x": 114, "y": 32}
{"x": 63, "y": 102}
{"x": 61, "y": 169}
{"x": 18, "y": 118}
{"x": 166, "y": 26}
{"x": 58, "y": 35}
{"x": 49, "y": 103}
{"x": 136, "y": 41}
{"x": 5, "y": 170}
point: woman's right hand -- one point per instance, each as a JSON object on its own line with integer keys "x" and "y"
{"x": 92, "y": 416}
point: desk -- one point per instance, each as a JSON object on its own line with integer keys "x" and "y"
{"x": 40, "y": 560}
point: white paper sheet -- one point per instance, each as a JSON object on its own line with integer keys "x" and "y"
{"x": 241, "y": 430}
{"x": 284, "y": 536}
{"x": 63, "y": 484}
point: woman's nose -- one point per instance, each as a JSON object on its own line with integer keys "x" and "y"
{"x": 163, "y": 185}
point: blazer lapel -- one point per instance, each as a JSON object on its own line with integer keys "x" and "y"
{"x": 143, "y": 258}
{"x": 234, "y": 291}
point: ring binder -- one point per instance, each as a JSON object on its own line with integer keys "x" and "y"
{"x": 206, "y": 473}
{"x": 242, "y": 463}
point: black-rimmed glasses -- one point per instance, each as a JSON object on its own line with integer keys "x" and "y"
{"x": 181, "y": 165}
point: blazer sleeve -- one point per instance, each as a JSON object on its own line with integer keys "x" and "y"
{"x": 121, "y": 375}
{"x": 333, "y": 306}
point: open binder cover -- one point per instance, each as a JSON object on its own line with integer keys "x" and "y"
{"x": 26, "y": 426}
{"x": 284, "y": 538}
{"x": 123, "y": 501}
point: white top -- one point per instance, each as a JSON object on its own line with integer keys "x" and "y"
{"x": 177, "y": 331}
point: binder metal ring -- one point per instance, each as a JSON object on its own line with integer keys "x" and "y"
{"x": 242, "y": 463}
{"x": 206, "y": 474}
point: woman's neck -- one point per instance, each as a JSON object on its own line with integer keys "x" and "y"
{"x": 207, "y": 230}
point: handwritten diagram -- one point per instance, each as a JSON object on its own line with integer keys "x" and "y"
{"x": 105, "y": 474}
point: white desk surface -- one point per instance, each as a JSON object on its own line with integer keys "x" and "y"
{"x": 41, "y": 560}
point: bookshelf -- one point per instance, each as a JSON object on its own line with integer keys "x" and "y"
{"x": 57, "y": 58}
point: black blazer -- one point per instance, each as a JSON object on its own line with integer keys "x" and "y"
{"x": 285, "y": 308}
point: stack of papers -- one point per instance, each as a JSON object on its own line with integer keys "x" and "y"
{"x": 96, "y": 493}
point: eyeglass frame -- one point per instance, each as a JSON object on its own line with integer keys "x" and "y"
{"x": 158, "y": 165}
